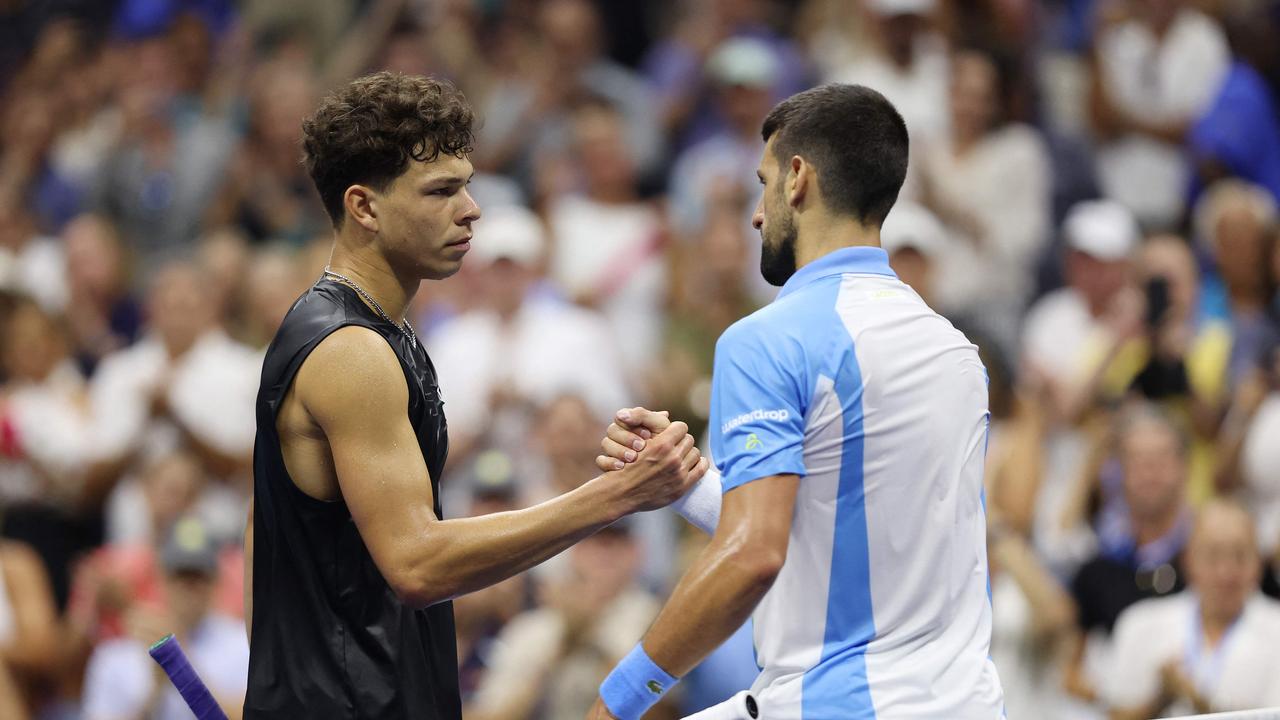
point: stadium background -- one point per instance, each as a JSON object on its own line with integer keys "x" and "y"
{"x": 156, "y": 223}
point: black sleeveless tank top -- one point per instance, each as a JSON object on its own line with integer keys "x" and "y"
{"x": 330, "y": 638}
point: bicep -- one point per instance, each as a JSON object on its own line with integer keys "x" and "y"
{"x": 760, "y": 512}
{"x": 354, "y": 388}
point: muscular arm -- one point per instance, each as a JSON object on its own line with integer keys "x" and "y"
{"x": 353, "y": 387}
{"x": 729, "y": 578}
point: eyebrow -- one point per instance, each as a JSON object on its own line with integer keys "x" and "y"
{"x": 447, "y": 180}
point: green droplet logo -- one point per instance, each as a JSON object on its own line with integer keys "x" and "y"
{"x": 753, "y": 442}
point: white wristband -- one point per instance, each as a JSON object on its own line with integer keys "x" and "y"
{"x": 701, "y": 505}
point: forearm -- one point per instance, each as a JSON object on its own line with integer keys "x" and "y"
{"x": 710, "y": 603}
{"x": 463, "y": 555}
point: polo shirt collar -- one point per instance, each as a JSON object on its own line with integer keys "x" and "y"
{"x": 862, "y": 259}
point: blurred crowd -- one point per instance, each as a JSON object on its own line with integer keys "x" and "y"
{"x": 1092, "y": 198}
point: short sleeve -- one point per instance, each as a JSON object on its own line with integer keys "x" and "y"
{"x": 757, "y": 406}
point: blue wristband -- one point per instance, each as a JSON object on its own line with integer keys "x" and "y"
{"x": 635, "y": 685}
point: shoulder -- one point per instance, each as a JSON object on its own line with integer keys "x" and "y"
{"x": 1154, "y": 615}
{"x": 1021, "y": 140}
{"x": 353, "y": 367}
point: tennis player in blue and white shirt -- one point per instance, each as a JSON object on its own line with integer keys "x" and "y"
{"x": 849, "y": 426}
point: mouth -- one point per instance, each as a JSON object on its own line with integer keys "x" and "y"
{"x": 463, "y": 243}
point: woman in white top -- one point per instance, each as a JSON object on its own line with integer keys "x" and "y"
{"x": 988, "y": 181}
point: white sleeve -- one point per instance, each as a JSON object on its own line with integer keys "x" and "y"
{"x": 701, "y": 505}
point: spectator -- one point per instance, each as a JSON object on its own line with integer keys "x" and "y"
{"x": 274, "y": 281}
{"x": 1210, "y": 649}
{"x": 267, "y": 192}
{"x": 1238, "y": 134}
{"x": 479, "y": 617}
{"x": 988, "y": 181}
{"x": 677, "y": 65}
{"x": 1155, "y": 73}
{"x": 914, "y": 240}
{"x": 1094, "y": 319}
{"x": 501, "y": 361}
{"x": 744, "y": 72}
{"x": 122, "y": 681}
{"x": 159, "y": 180}
{"x": 1032, "y": 619}
{"x": 528, "y": 116}
{"x": 907, "y": 62}
{"x": 1235, "y": 220}
{"x": 29, "y": 649}
{"x": 607, "y": 244}
{"x": 568, "y": 439}
{"x": 106, "y": 316}
{"x": 46, "y": 432}
{"x": 30, "y": 263}
{"x": 559, "y": 653}
{"x": 1141, "y": 536}
{"x": 185, "y": 382}
{"x": 713, "y": 284}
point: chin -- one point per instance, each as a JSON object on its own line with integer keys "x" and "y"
{"x": 442, "y": 271}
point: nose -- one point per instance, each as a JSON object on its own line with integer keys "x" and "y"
{"x": 757, "y": 217}
{"x": 472, "y": 209}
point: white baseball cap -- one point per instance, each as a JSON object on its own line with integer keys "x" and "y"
{"x": 902, "y": 7}
{"x": 512, "y": 232}
{"x": 743, "y": 61}
{"x": 1103, "y": 229}
{"x": 912, "y": 226}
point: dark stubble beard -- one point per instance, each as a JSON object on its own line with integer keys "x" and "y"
{"x": 778, "y": 249}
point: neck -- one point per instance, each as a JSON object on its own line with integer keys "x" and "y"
{"x": 829, "y": 233}
{"x": 1215, "y": 624}
{"x": 1147, "y": 530}
{"x": 375, "y": 276}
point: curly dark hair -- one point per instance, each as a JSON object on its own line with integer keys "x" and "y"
{"x": 368, "y": 131}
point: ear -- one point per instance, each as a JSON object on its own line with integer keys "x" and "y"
{"x": 360, "y": 202}
{"x": 800, "y": 179}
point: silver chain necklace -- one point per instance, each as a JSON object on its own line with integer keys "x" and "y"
{"x": 403, "y": 326}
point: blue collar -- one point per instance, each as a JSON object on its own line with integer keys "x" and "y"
{"x": 862, "y": 259}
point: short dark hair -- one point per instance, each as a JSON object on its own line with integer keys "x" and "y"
{"x": 855, "y": 139}
{"x": 368, "y": 131}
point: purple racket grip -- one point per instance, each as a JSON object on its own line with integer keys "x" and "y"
{"x": 168, "y": 653}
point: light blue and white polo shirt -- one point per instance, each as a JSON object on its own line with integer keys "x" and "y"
{"x": 882, "y": 608}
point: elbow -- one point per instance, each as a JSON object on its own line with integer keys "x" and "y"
{"x": 421, "y": 585}
{"x": 759, "y": 565}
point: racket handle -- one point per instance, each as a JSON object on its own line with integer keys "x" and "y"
{"x": 168, "y": 653}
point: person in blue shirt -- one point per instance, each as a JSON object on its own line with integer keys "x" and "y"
{"x": 848, "y": 426}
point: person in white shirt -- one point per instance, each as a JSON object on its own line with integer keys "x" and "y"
{"x": 518, "y": 351}
{"x": 43, "y": 429}
{"x": 1212, "y": 648}
{"x": 1155, "y": 74}
{"x": 122, "y": 682}
{"x": 989, "y": 181}
{"x": 607, "y": 244}
{"x": 849, "y": 425}
{"x": 186, "y": 381}
{"x": 908, "y": 64}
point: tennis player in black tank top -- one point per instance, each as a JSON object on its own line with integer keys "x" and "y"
{"x": 352, "y": 562}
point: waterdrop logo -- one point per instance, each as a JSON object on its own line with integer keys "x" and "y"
{"x": 753, "y": 442}
{"x": 764, "y": 415}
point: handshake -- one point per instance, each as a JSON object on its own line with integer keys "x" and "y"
{"x": 653, "y": 462}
